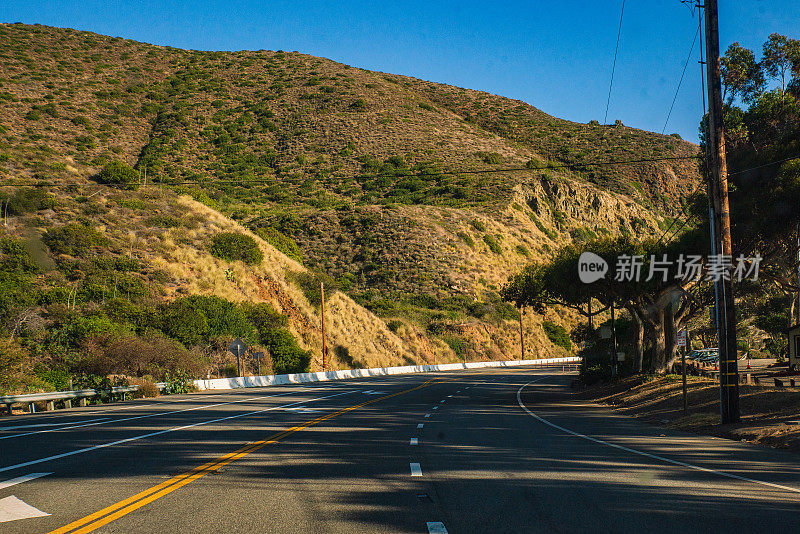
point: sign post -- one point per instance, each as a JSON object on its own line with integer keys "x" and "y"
{"x": 258, "y": 356}
{"x": 682, "y": 343}
{"x": 238, "y": 347}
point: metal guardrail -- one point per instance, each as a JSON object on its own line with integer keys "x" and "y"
{"x": 67, "y": 396}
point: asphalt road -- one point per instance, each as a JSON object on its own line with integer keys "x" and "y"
{"x": 483, "y": 451}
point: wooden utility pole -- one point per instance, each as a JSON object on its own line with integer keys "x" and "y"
{"x": 322, "y": 313}
{"x": 521, "y": 335}
{"x": 718, "y": 175}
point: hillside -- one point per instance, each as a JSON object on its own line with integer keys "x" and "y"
{"x": 417, "y": 199}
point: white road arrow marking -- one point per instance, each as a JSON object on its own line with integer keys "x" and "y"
{"x": 12, "y": 509}
{"x": 20, "y": 480}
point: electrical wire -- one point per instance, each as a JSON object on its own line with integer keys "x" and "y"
{"x": 683, "y": 73}
{"x": 614, "y": 64}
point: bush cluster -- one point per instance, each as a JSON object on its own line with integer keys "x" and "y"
{"x": 557, "y": 334}
{"x": 233, "y": 246}
{"x": 118, "y": 173}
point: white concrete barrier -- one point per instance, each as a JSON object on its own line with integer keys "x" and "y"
{"x": 302, "y": 378}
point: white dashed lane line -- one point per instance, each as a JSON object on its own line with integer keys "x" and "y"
{"x": 20, "y": 480}
{"x": 420, "y": 425}
{"x": 435, "y": 407}
{"x": 427, "y": 415}
{"x": 416, "y": 470}
{"x": 414, "y": 441}
{"x": 441, "y": 401}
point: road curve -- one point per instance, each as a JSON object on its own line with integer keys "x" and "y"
{"x": 506, "y": 450}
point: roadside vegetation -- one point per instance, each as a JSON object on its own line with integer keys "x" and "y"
{"x": 763, "y": 144}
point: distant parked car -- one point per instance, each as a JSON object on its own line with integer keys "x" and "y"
{"x": 711, "y": 355}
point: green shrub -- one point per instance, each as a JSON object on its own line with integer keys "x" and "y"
{"x": 309, "y": 283}
{"x": 523, "y": 251}
{"x": 394, "y": 325}
{"x": 557, "y": 334}
{"x": 118, "y": 173}
{"x": 182, "y": 321}
{"x": 582, "y": 235}
{"x": 264, "y": 319}
{"x": 233, "y": 246}
{"x": 163, "y": 221}
{"x": 478, "y": 225}
{"x": 492, "y": 243}
{"x": 359, "y": 105}
{"x": 287, "y": 356}
{"x": 74, "y": 239}
{"x": 458, "y": 345}
{"x": 282, "y": 242}
{"x": 465, "y": 237}
{"x": 29, "y": 199}
{"x": 542, "y": 228}
{"x": 195, "y": 320}
{"x": 492, "y": 158}
{"x": 223, "y": 317}
{"x": 15, "y": 258}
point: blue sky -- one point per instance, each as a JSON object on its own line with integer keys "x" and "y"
{"x": 554, "y": 55}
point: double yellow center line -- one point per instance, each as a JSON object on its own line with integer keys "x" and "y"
{"x": 111, "y": 513}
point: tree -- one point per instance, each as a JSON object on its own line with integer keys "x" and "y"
{"x": 658, "y": 306}
{"x": 778, "y": 55}
{"x": 741, "y": 75}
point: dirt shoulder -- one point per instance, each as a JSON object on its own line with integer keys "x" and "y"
{"x": 765, "y": 411}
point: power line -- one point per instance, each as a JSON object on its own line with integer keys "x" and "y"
{"x": 614, "y": 64}
{"x": 685, "y": 215}
{"x": 784, "y": 160}
{"x": 675, "y": 98}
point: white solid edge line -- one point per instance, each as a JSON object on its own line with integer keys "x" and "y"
{"x": 642, "y": 453}
{"x": 416, "y": 470}
{"x": 146, "y": 416}
{"x": 165, "y": 431}
{"x": 436, "y": 527}
{"x": 40, "y": 425}
{"x": 420, "y": 425}
{"x": 414, "y": 441}
{"x": 20, "y": 480}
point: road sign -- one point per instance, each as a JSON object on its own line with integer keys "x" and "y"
{"x": 238, "y": 346}
{"x": 682, "y": 338}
